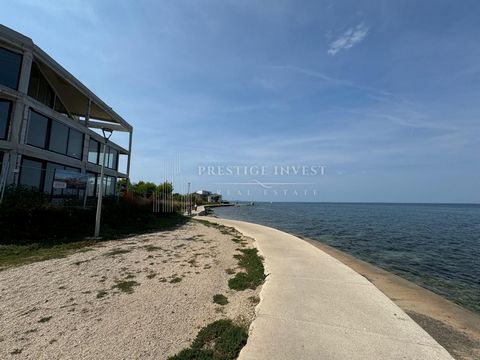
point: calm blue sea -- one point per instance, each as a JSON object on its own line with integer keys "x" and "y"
{"x": 434, "y": 245}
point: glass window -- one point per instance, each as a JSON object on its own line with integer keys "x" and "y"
{"x": 49, "y": 175}
{"x": 5, "y": 107}
{"x": 75, "y": 144}
{"x": 39, "y": 88}
{"x": 109, "y": 183}
{"x": 58, "y": 137}
{"x": 37, "y": 129}
{"x": 31, "y": 173}
{"x": 93, "y": 147}
{"x": 71, "y": 192}
{"x": 10, "y": 64}
{"x": 114, "y": 159}
{"x": 100, "y": 155}
{"x": 91, "y": 184}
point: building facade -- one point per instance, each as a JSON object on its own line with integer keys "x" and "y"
{"x": 50, "y": 121}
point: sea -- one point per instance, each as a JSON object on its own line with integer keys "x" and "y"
{"x": 436, "y": 246}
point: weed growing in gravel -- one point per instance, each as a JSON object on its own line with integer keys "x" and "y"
{"x": 101, "y": 294}
{"x": 152, "y": 248}
{"x": 151, "y": 275}
{"x": 117, "y": 252}
{"x": 220, "y": 299}
{"x": 125, "y": 286}
{"x": 220, "y": 340}
{"x": 255, "y": 272}
{"x": 45, "y": 319}
{"x": 175, "y": 280}
{"x": 254, "y": 299}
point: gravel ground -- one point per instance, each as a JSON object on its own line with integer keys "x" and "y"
{"x": 70, "y": 308}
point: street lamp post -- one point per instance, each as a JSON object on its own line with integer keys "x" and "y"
{"x": 106, "y": 135}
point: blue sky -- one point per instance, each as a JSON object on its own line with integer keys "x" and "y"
{"x": 384, "y": 94}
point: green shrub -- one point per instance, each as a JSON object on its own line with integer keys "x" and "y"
{"x": 220, "y": 299}
{"x": 255, "y": 272}
{"x": 220, "y": 340}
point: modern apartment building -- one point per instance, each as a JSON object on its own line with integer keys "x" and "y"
{"x": 47, "y": 122}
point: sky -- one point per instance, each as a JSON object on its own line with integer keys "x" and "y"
{"x": 384, "y": 96}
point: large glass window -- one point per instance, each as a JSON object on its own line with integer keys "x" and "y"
{"x": 100, "y": 156}
{"x": 114, "y": 159}
{"x": 91, "y": 184}
{"x": 49, "y": 175}
{"x": 5, "y": 107}
{"x": 93, "y": 150}
{"x": 10, "y": 64}
{"x": 37, "y": 130}
{"x": 31, "y": 173}
{"x": 75, "y": 144}
{"x": 58, "y": 137}
{"x": 39, "y": 88}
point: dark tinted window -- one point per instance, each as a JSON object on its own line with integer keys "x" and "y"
{"x": 49, "y": 175}
{"x": 58, "y": 138}
{"x": 93, "y": 148}
{"x": 5, "y": 107}
{"x": 10, "y": 63}
{"x": 75, "y": 144}
{"x": 91, "y": 185}
{"x": 114, "y": 159}
{"x": 37, "y": 129}
{"x": 31, "y": 173}
{"x": 38, "y": 87}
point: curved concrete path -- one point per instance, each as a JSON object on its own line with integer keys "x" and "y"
{"x": 314, "y": 307}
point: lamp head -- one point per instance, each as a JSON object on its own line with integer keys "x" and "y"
{"x": 107, "y": 132}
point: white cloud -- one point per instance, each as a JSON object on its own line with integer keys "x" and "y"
{"x": 349, "y": 38}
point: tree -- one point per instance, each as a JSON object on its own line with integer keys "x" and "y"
{"x": 144, "y": 189}
{"x": 165, "y": 188}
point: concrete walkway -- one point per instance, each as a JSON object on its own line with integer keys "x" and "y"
{"x": 314, "y": 307}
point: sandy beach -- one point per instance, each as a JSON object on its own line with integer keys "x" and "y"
{"x": 143, "y": 297}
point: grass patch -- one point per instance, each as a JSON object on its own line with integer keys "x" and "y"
{"x": 45, "y": 319}
{"x": 254, "y": 299}
{"x": 101, "y": 294}
{"x": 175, "y": 280}
{"x": 117, "y": 251}
{"x": 254, "y": 274}
{"x": 16, "y": 352}
{"x": 125, "y": 286}
{"x": 230, "y": 271}
{"x": 16, "y": 255}
{"x": 22, "y": 254}
{"x": 152, "y": 248}
{"x": 220, "y": 299}
{"x": 151, "y": 275}
{"x": 220, "y": 340}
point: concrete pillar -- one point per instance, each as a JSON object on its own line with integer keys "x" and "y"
{"x": 19, "y": 116}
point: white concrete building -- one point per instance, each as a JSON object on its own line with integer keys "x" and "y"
{"x": 47, "y": 118}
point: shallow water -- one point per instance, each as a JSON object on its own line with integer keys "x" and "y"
{"x": 434, "y": 245}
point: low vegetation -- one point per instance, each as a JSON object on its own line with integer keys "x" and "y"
{"x": 254, "y": 273}
{"x": 220, "y": 340}
{"x": 220, "y": 299}
{"x": 35, "y": 230}
{"x": 45, "y": 319}
{"x": 125, "y": 286}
